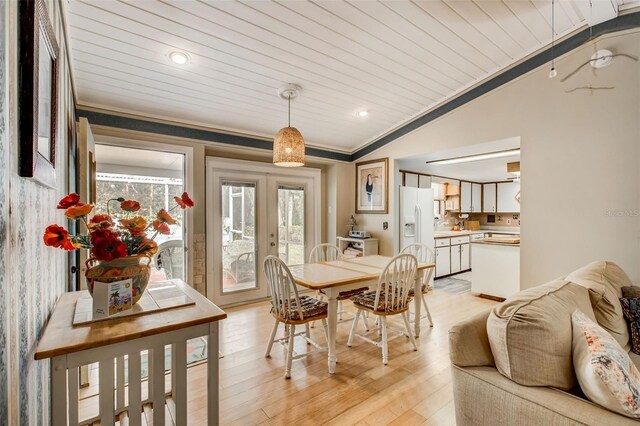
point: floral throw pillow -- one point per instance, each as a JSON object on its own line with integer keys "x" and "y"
{"x": 631, "y": 311}
{"x": 605, "y": 373}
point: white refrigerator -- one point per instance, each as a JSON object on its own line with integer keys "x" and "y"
{"x": 416, "y": 216}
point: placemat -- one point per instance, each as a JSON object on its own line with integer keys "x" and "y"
{"x": 159, "y": 296}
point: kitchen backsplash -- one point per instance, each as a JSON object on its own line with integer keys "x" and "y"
{"x": 498, "y": 219}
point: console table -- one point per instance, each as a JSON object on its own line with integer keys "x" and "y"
{"x": 116, "y": 345}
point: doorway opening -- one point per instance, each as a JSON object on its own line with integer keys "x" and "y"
{"x": 152, "y": 178}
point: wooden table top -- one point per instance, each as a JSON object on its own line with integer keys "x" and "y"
{"x": 61, "y": 337}
{"x": 317, "y": 276}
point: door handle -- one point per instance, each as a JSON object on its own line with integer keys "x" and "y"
{"x": 273, "y": 244}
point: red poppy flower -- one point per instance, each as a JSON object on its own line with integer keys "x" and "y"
{"x": 79, "y": 210}
{"x": 164, "y": 216}
{"x": 57, "y": 236}
{"x": 135, "y": 226}
{"x": 107, "y": 246}
{"x": 184, "y": 201}
{"x": 69, "y": 201}
{"x": 130, "y": 206}
{"x": 161, "y": 227}
{"x": 101, "y": 221}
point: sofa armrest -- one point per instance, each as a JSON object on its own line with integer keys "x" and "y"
{"x": 469, "y": 342}
{"x": 484, "y": 397}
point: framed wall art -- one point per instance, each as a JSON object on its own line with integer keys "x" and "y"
{"x": 38, "y": 93}
{"x": 372, "y": 186}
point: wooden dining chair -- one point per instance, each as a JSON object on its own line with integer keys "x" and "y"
{"x": 391, "y": 297}
{"x": 290, "y": 309}
{"x": 326, "y": 252}
{"x": 424, "y": 254}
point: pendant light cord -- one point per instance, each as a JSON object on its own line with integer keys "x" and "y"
{"x": 289, "y": 109}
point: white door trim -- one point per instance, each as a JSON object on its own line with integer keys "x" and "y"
{"x": 188, "y": 183}
{"x": 218, "y": 164}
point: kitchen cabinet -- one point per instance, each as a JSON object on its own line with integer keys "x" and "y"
{"x": 443, "y": 261}
{"x": 455, "y": 259}
{"x": 476, "y": 197}
{"x": 496, "y": 269}
{"x": 465, "y": 257}
{"x": 452, "y": 255}
{"x": 489, "y": 198}
{"x": 424, "y": 181}
{"x": 508, "y": 194}
{"x": 411, "y": 179}
{"x": 438, "y": 190}
{"x": 465, "y": 197}
{"x": 470, "y": 197}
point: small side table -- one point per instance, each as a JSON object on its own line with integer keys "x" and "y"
{"x": 109, "y": 342}
{"x": 366, "y": 246}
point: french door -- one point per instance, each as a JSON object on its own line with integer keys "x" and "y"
{"x": 255, "y": 210}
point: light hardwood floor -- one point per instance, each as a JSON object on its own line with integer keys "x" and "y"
{"x": 414, "y": 388}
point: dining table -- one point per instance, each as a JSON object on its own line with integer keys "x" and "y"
{"x": 334, "y": 277}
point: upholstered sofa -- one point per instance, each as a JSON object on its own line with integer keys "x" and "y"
{"x": 502, "y": 380}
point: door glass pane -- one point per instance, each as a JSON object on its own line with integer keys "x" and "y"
{"x": 291, "y": 225}
{"x": 238, "y": 236}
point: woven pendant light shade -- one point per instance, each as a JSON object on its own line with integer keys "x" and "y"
{"x": 288, "y": 148}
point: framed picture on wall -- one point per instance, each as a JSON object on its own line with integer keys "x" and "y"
{"x": 372, "y": 186}
{"x": 38, "y": 93}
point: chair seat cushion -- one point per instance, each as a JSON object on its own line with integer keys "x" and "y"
{"x": 424, "y": 289}
{"x": 310, "y": 306}
{"x": 348, "y": 294}
{"x": 344, "y": 295}
{"x": 368, "y": 300}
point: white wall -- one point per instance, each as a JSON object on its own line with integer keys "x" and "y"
{"x": 580, "y": 159}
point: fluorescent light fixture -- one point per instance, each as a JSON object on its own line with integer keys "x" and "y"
{"x": 179, "y": 58}
{"x": 362, "y": 113}
{"x": 476, "y": 157}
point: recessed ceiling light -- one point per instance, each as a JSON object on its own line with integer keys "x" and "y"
{"x": 179, "y": 58}
{"x": 362, "y": 113}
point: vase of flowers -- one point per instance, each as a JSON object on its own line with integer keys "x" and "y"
{"x": 119, "y": 251}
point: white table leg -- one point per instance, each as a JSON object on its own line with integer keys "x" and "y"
{"x": 59, "y": 391}
{"x": 213, "y": 373}
{"x": 417, "y": 298}
{"x": 333, "y": 328}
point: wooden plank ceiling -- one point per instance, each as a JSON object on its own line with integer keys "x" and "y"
{"x": 395, "y": 59}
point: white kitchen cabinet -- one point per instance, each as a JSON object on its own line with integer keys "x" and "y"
{"x": 470, "y": 197}
{"x": 443, "y": 261}
{"x": 489, "y": 198}
{"x": 411, "y": 179}
{"x": 507, "y": 194}
{"x": 424, "y": 181}
{"x": 465, "y": 197}
{"x": 465, "y": 257}
{"x": 438, "y": 190}
{"x": 476, "y": 197}
{"x": 455, "y": 259}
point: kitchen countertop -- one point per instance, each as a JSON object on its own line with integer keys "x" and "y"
{"x": 449, "y": 234}
{"x": 494, "y": 243}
